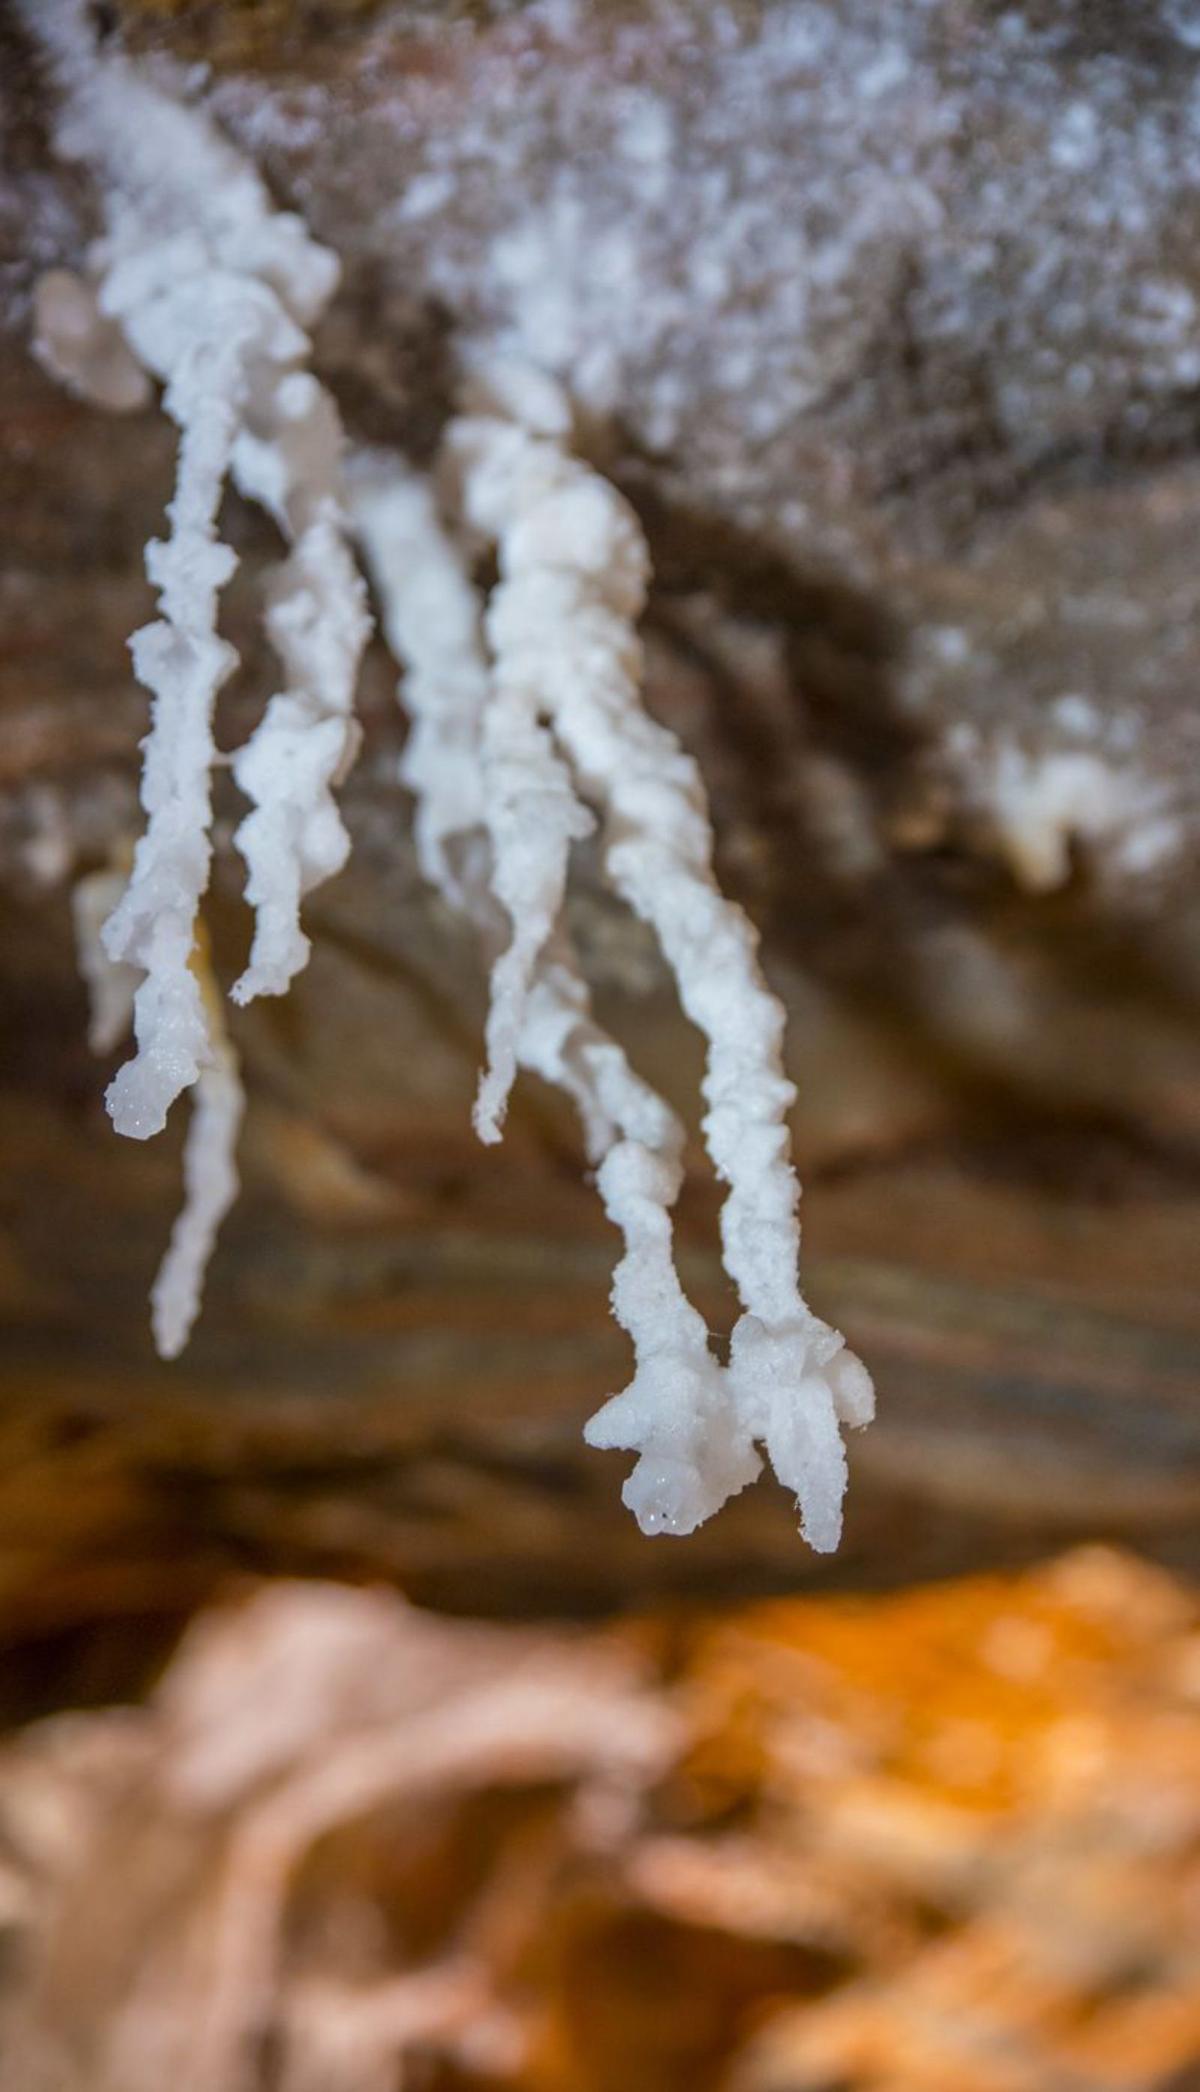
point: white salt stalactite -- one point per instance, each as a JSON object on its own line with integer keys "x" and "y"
{"x": 210, "y": 1180}
{"x": 218, "y": 1103}
{"x": 573, "y": 569}
{"x": 689, "y": 1417}
{"x": 533, "y": 817}
{"x": 316, "y": 618}
{"x": 183, "y": 662}
{"x": 431, "y": 621}
{"x": 213, "y": 290}
{"x": 516, "y": 749}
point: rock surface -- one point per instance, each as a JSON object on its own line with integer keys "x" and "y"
{"x": 892, "y": 334}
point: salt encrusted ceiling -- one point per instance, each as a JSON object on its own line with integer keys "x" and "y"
{"x": 893, "y": 340}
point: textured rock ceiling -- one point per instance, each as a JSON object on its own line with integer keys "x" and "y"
{"x": 887, "y": 322}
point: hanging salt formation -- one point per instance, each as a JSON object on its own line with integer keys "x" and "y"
{"x": 210, "y": 289}
{"x": 524, "y": 746}
{"x": 209, "y": 1156}
{"x": 528, "y": 732}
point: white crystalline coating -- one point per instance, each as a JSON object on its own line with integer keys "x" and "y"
{"x": 212, "y": 289}
{"x": 210, "y": 1187}
{"x": 566, "y": 714}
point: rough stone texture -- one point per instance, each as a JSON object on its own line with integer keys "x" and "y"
{"x": 889, "y": 326}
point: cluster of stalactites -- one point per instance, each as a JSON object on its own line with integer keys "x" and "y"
{"x": 528, "y": 731}
{"x": 201, "y": 283}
